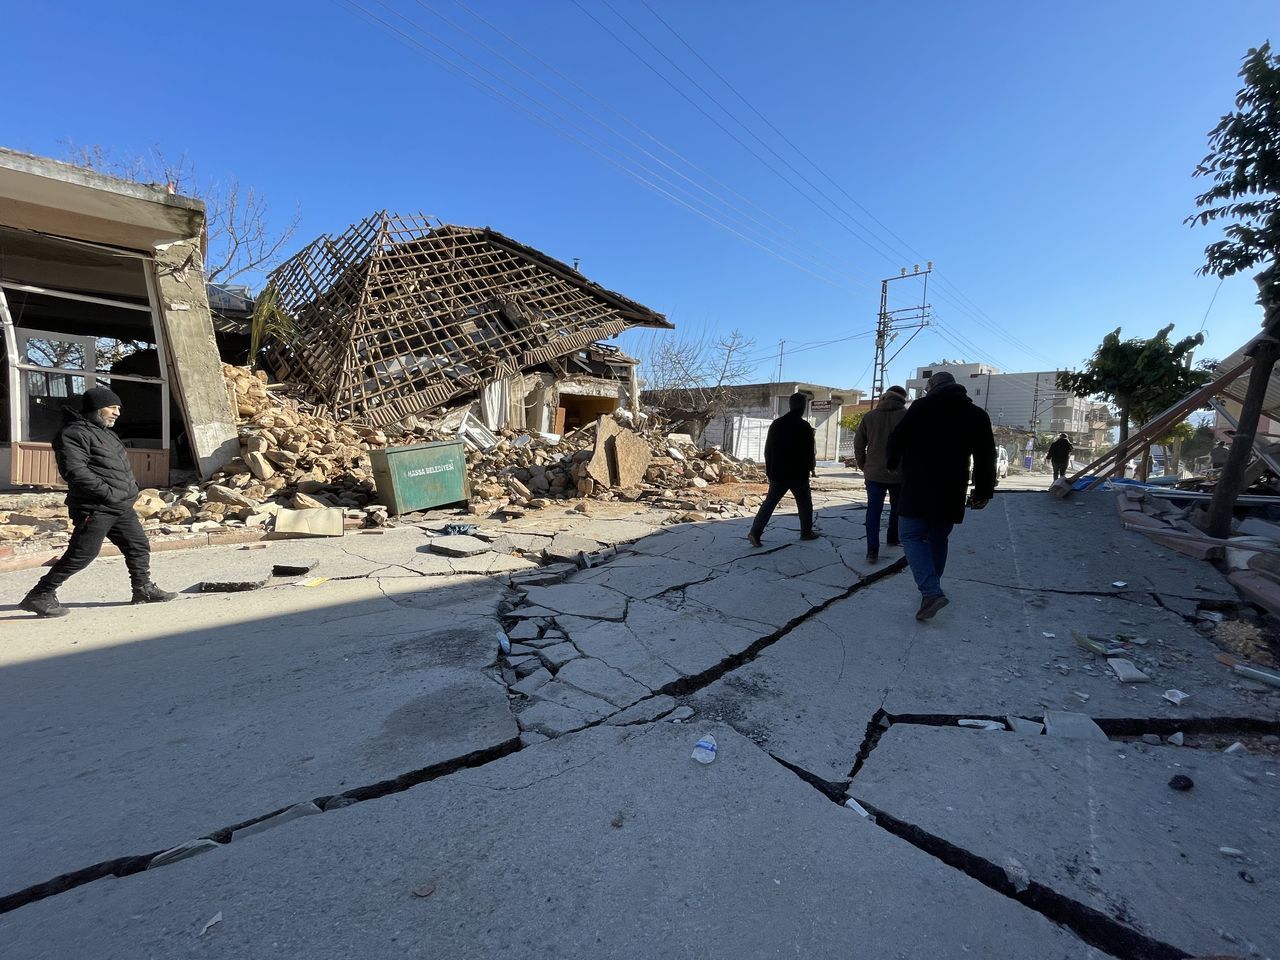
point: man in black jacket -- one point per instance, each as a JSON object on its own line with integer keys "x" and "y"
{"x": 101, "y": 490}
{"x": 789, "y": 458}
{"x": 934, "y": 443}
{"x": 1060, "y": 455}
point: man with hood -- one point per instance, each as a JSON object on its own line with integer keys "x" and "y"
{"x": 1059, "y": 455}
{"x": 101, "y": 490}
{"x": 933, "y": 444}
{"x": 871, "y": 451}
{"x": 790, "y": 455}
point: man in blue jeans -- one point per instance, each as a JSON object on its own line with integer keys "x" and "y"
{"x": 939, "y": 435}
{"x": 871, "y": 451}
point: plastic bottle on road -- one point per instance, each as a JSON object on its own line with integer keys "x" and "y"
{"x": 705, "y": 749}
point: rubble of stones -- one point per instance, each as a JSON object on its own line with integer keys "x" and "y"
{"x": 293, "y": 456}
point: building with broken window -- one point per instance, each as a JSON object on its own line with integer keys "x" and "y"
{"x": 101, "y": 282}
{"x": 402, "y": 316}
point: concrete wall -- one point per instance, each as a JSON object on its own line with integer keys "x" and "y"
{"x": 193, "y": 355}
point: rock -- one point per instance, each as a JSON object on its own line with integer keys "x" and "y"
{"x": 1151, "y": 738}
{"x": 17, "y": 531}
{"x": 631, "y": 456}
{"x": 1180, "y": 781}
{"x": 216, "y": 493}
{"x": 1177, "y": 739}
{"x": 145, "y": 506}
{"x": 599, "y": 467}
{"x": 259, "y": 466}
{"x": 680, "y": 714}
{"x": 1023, "y": 726}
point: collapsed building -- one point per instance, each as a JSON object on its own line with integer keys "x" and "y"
{"x": 402, "y": 316}
{"x": 101, "y": 282}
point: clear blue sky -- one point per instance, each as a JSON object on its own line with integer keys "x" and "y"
{"x": 1039, "y": 153}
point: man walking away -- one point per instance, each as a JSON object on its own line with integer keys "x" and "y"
{"x": 101, "y": 490}
{"x": 933, "y": 444}
{"x": 871, "y": 451}
{"x": 1060, "y": 455}
{"x": 1218, "y": 455}
{"x": 789, "y": 458}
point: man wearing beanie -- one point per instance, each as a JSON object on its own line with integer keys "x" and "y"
{"x": 871, "y": 452}
{"x": 101, "y": 490}
{"x": 789, "y": 458}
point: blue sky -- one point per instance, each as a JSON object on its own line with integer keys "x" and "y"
{"x": 1039, "y": 154}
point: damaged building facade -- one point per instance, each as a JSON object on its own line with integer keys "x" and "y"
{"x": 101, "y": 283}
{"x": 403, "y": 316}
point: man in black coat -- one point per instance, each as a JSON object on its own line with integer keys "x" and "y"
{"x": 934, "y": 443}
{"x": 1060, "y": 455}
{"x": 789, "y": 458}
{"x": 101, "y": 490}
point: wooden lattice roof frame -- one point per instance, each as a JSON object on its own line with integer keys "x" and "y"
{"x": 401, "y": 314}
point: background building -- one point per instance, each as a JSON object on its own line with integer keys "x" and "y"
{"x": 1025, "y": 401}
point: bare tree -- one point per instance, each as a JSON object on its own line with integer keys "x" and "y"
{"x": 240, "y": 238}
{"x": 689, "y": 375}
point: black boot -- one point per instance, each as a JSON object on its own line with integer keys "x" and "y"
{"x": 43, "y": 603}
{"x": 150, "y": 593}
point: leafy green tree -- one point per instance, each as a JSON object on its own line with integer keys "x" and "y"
{"x": 850, "y": 421}
{"x": 1140, "y": 377}
{"x": 1244, "y": 165}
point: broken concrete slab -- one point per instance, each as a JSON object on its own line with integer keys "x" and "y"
{"x": 458, "y": 545}
{"x": 568, "y": 547}
{"x": 630, "y": 458}
{"x": 558, "y": 654}
{"x": 553, "y": 719}
{"x": 1126, "y": 671}
{"x": 644, "y": 577}
{"x": 531, "y": 682}
{"x": 565, "y": 801}
{"x": 598, "y": 679}
{"x": 526, "y": 630}
{"x": 580, "y": 599}
{"x": 646, "y": 711}
{"x": 593, "y": 708}
{"x": 1031, "y": 728}
{"x": 1099, "y": 826}
{"x": 1073, "y": 726}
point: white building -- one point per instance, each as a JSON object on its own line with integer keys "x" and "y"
{"x": 1027, "y": 401}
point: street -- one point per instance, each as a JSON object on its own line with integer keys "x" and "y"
{"x": 359, "y": 771}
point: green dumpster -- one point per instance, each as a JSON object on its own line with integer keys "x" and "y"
{"x": 422, "y": 476}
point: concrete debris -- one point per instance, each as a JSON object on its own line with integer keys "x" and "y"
{"x": 1076, "y": 726}
{"x": 1181, "y": 782}
{"x": 458, "y": 546}
{"x": 1176, "y": 697}
{"x": 982, "y": 724}
{"x": 1126, "y": 671}
{"x": 1024, "y": 726}
{"x": 1177, "y": 739}
{"x": 312, "y": 522}
{"x": 681, "y": 714}
{"x": 1236, "y": 748}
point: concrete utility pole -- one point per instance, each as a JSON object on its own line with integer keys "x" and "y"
{"x": 890, "y": 322}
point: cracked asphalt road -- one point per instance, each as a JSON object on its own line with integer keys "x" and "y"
{"x": 543, "y": 829}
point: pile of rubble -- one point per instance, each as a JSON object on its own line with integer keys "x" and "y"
{"x": 292, "y": 456}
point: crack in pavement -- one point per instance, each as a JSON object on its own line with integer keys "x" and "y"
{"x": 1092, "y": 926}
{"x": 128, "y": 865}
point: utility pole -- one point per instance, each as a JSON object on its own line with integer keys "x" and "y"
{"x": 891, "y": 322}
{"x": 1035, "y": 406}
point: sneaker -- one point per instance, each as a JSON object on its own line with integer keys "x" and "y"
{"x": 754, "y": 539}
{"x": 150, "y": 593}
{"x": 811, "y": 535}
{"x": 43, "y": 604}
{"x": 931, "y": 605}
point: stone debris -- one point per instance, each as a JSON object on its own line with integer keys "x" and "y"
{"x": 1126, "y": 671}
{"x": 458, "y": 546}
{"x": 1024, "y": 726}
{"x": 293, "y": 456}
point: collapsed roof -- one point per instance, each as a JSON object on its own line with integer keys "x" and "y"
{"x": 400, "y": 314}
